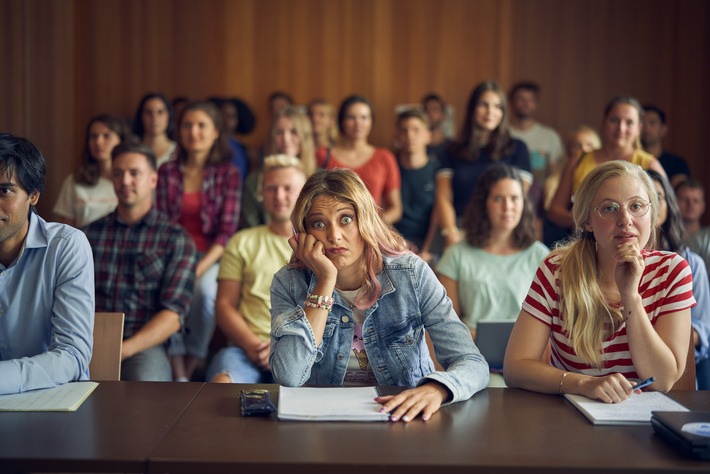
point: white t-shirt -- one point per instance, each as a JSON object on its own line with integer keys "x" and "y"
{"x": 85, "y": 204}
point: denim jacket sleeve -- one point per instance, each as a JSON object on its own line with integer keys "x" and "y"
{"x": 293, "y": 344}
{"x": 700, "y": 313}
{"x": 466, "y": 371}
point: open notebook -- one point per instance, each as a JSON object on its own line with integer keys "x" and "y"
{"x": 67, "y": 397}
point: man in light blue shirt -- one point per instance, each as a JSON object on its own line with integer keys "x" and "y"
{"x": 46, "y": 282}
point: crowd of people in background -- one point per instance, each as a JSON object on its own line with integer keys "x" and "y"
{"x": 190, "y": 231}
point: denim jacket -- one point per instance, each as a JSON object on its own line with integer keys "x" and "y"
{"x": 411, "y": 301}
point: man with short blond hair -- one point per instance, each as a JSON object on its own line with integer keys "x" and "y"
{"x": 248, "y": 265}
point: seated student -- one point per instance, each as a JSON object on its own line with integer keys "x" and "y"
{"x": 611, "y": 310}
{"x": 671, "y": 237}
{"x": 154, "y": 124}
{"x": 652, "y": 134}
{"x": 87, "y": 194}
{"x": 353, "y": 288}
{"x": 46, "y": 282}
{"x": 250, "y": 260}
{"x": 201, "y": 191}
{"x": 487, "y": 275}
{"x": 417, "y": 170}
{"x": 291, "y": 135}
{"x": 691, "y": 202}
{"x": 377, "y": 167}
{"x": 484, "y": 140}
{"x": 144, "y": 266}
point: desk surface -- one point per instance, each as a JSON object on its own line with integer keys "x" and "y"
{"x": 115, "y": 429}
{"x": 501, "y": 430}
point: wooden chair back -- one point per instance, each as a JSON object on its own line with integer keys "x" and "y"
{"x": 687, "y": 380}
{"x": 108, "y": 340}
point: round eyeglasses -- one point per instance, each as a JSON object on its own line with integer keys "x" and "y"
{"x": 611, "y": 209}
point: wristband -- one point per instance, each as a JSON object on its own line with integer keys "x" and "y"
{"x": 319, "y": 302}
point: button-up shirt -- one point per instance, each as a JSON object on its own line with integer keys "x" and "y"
{"x": 143, "y": 268}
{"x": 47, "y": 309}
{"x": 220, "y": 198}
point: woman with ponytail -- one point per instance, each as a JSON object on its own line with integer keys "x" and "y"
{"x": 611, "y": 309}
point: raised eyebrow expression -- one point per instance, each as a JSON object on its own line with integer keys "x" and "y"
{"x": 344, "y": 216}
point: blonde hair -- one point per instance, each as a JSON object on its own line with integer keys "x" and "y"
{"x": 379, "y": 239}
{"x": 272, "y": 162}
{"x": 330, "y": 138}
{"x": 302, "y": 125}
{"x": 584, "y": 310}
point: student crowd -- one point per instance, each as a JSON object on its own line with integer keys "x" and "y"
{"x": 324, "y": 259}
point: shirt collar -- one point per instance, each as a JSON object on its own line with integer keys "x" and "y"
{"x": 149, "y": 219}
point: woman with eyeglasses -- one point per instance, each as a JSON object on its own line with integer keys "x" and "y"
{"x": 611, "y": 310}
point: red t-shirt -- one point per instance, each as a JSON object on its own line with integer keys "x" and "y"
{"x": 380, "y": 173}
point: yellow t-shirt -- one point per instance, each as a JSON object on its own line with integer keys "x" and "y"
{"x": 588, "y": 163}
{"x": 252, "y": 257}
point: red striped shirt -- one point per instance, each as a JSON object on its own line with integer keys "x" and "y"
{"x": 666, "y": 287}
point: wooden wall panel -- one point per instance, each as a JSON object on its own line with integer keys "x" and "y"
{"x": 12, "y": 66}
{"x": 73, "y": 59}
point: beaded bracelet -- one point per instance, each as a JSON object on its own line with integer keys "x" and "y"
{"x": 319, "y": 302}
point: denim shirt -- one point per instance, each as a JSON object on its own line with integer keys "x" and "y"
{"x": 411, "y": 301}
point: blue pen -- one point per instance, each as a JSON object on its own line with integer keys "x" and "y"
{"x": 644, "y": 383}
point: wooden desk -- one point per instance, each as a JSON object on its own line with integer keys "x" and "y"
{"x": 499, "y": 430}
{"x": 114, "y": 430}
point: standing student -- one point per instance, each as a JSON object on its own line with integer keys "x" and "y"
{"x": 200, "y": 190}
{"x": 377, "y": 167}
{"x": 353, "y": 305}
{"x": 87, "y": 195}
{"x": 46, "y": 282}
{"x": 417, "y": 170}
{"x": 610, "y": 310}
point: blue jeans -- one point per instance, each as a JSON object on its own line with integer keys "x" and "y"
{"x": 702, "y": 374}
{"x": 196, "y": 335}
{"x": 234, "y": 362}
{"x": 151, "y": 365}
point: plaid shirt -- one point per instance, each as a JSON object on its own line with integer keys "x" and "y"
{"x": 220, "y": 197}
{"x": 142, "y": 269}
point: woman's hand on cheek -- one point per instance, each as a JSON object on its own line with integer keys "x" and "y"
{"x": 311, "y": 252}
{"x": 425, "y": 399}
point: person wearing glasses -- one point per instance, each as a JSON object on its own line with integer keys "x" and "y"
{"x": 611, "y": 309}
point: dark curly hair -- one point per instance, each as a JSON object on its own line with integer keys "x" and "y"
{"x": 476, "y": 221}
